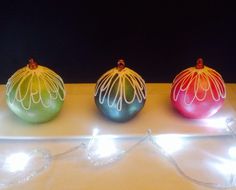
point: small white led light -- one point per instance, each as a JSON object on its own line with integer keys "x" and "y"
{"x": 102, "y": 149}
{"x": 170, "y": 143}
{"x": 226, "y": 167}
{"x": 16, "y": 162}
{"x": 95, "y": 131}
{"x": 215, "y": 122}
{"x": 232, "y": 152}
{"x": 105, "y": 147}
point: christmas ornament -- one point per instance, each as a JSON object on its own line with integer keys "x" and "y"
{"x": 35, "y": 93}
{"x": 198, "y": 92}
{"x": 120, "y": 93}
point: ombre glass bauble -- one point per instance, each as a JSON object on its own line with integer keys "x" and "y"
{"x": 198, "y": 92}
{"x": 35, "y": 93}
{"x": 120, "y": 93}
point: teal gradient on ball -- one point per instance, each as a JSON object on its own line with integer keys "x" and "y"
{"x": 128, "y": 110}
{"x": 120, "y": 93}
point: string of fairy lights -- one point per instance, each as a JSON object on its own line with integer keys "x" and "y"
{"x": 100, "y": 151}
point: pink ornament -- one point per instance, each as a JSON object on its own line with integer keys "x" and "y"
{"x": 198, "y": 92}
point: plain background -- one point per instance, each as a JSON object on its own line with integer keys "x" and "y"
{"x": 80, "y": 40}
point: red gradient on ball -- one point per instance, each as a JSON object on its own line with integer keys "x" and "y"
{"x": 198, "y": 92}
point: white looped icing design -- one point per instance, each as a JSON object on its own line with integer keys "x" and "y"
{"x": 199, "y": 82}
{"x": 105, "y": 84}
{"x": 34, "y": 82}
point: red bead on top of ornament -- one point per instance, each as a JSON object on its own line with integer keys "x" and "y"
{"x": 32, "y": 64}
{"x": 198, "y": 92}
{"x": 199, "y": 64}
{"x": 120, "y": 64}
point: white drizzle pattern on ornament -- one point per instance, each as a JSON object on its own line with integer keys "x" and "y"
{"x": 120, "y": 75}
{"x": 31, "y": 82}
{"x": 199, "y": 79}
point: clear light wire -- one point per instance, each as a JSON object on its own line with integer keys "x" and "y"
{"x": 61, "y": 154}
{"x": 172, "y": 161}
{"x": 90, "y": 150}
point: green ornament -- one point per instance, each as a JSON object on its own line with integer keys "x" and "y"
{"x": 120, "y": 93}
{"x": 35, "y": 93}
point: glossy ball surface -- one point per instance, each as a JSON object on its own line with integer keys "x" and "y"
{"x": 198, "y": 92}
{"x": 36, "y": 95}
{"x": 120, "y": 94}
